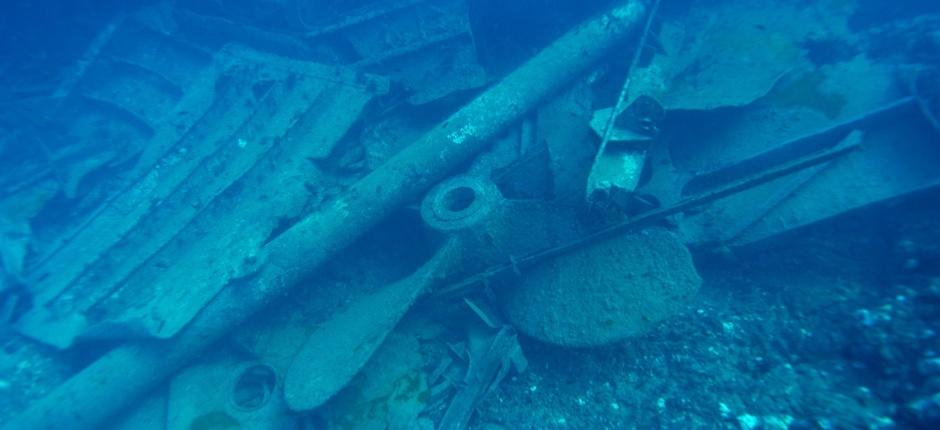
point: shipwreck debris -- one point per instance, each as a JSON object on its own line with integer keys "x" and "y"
{"x": 620, "y": 163}
{"x": 127, "y": 372}
{"x": 426, "y": 47}
{"x": 649, "y": 218}
{"x": 490, "y": 358}
{"x": 727, "y": 54}
{"x": 267, "y": 204}
{"x": 225, "y": 391}
{"x": 108, "y": 280}
{"x": 783, "y": 206}
{"x": 617, "y": 169}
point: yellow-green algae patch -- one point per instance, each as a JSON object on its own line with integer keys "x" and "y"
{"x": 390, "y": 392}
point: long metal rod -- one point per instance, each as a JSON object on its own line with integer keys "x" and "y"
{"x": 88, "y": 399}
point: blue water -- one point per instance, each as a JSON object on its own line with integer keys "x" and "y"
{"x": 470, "y": 214}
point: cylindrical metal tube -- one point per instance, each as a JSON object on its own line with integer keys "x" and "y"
{"x": 89, "y": 398}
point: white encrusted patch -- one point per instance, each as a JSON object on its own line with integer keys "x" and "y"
{"x": 460, "y": 136}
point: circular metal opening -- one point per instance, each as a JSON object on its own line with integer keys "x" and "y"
{"x": 458, "y": 203}
{"x": 458, "y": 198}
{"x": 254, "y": 387}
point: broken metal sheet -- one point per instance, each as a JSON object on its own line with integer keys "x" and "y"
{"x": 808, "y": 111}
{"x": 148, "y": 262}
{"x": 617, "y": 134}
{"x": 219, "y": 31}
{"x": 899, "y": 157}
{"x": 719, "y": 54}
{"x": 896, "y": 160}
{"x": 377, "y": 34}
{"x": 803, "y": 145}
{"x": 773, "y": 194}
{"x": 563, "y": 124}
{"x": 490, "y": 358}
{"x": 87, "y": 104}
{"x": 98, "y": 118}
{"x": 637, "y": 122}
{"x": 138, "y": 78}
{"x": 696, "y": 144}
{"x": 445, "y": 68}
{"x": 621, "y": 159}
{"x": 132, "y": 42}
{"x": 129, "y": 84}
{"x": 426, "y": 45}
{"x": 618, "y": 169}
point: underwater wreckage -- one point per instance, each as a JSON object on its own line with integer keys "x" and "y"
{"x": 349, "y": 171}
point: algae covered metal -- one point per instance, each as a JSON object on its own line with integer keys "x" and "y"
{"x": 310, "y": 242}
{"x": 417, "y": 214}
{"x": 151, "y": 257}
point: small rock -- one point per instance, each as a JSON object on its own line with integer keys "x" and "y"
{"x": 728, "y": 327}
{"x": 748, "y": 422}
{"x": 724, "y": 410}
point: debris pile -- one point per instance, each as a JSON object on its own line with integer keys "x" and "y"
{"x": 349, "y": 215}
